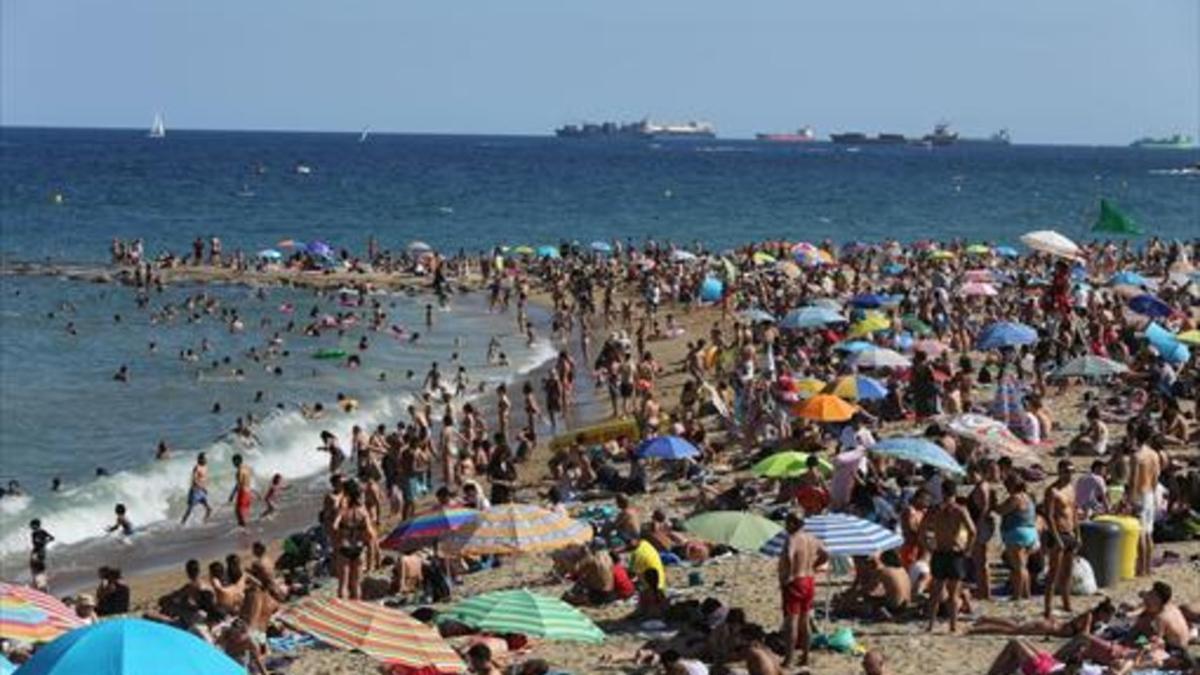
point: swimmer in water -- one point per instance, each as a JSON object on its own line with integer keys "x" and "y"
{"x": 198, "y": 490}
{"x": 163, "y": 451}
{"x": 122, "y": 374}
{"x": 123, "y": 523}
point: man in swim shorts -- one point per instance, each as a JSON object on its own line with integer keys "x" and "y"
{"x": 953, "y": 532}
{"x": 198, "y": 491}
{"x": 802, "y": 555}
{"x": 241, "y": 492}
{"x": 1061, "y": 538}
{"x": 1147, "y": 466}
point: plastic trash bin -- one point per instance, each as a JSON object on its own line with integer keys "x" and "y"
{"x": 1101, "y": 547}
{"x": 1130, "y": 530}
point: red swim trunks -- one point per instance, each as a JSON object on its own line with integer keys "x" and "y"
{"x": 798, "y": 596}
{"x": 244, "y": 498}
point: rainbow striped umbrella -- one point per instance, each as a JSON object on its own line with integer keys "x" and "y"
{"x": 27, "y": 615}
{"x": 517, "y": 528}
{"x": 385, "y": 634}
{"x": 521, "y": 612}
{"x": 426, "y": 528}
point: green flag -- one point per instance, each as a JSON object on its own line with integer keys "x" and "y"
{"x": 1113, "y": 221}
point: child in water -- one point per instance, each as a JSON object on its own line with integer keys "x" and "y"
{"x": 123, "y": 523}
{"x": 272, "y": 496}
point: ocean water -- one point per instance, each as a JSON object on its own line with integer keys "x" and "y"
{"x": 62, "y": 415}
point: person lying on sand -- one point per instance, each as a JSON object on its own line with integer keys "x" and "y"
{"x": 1083, "y": 624}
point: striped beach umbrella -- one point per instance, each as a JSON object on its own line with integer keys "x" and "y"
{"x": 384, "y": 634}
{"x": 428, "y": 527}
{"x": 27, "y": 615}
{"x": 517, "y": 528}
{"x": 842, "y": 535}
{"x": 521, "y": 612}
{"x": 991, "y": 434}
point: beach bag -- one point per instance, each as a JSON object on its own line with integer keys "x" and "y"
{"x": 1083, "y": 579}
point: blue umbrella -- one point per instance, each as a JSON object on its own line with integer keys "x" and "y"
{"x": 319, "y": 248}
{"x": 917, "y": 451}
{"x": 1150, "y": 306}
{"x": 601, "y": 247}
{"x": 811, "y": 317}
{"x": 666, "y": 447}
{"x": 1007, "y": 251}
{"x": 547, "y": 251}
{"x": 756, "y": 315}
{"x": 893, "y": 269}
{"x": 855, "y": 346}
{"x": 6, "y": 666}
{"x": 869, "y": 300}
{"x": 1128, "y": 278}
{"x": 270, "y": 254}
{"x": 130, "y": 647}
{"x": 1169, "y": 348}
{"x": 712, "y": 289}
{"x": 1006, "y": 334}
{"x": 842, "y": 535}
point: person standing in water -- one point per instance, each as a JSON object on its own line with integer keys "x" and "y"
{"x": 242, "y": 496}
{"x": 198, "y": 490}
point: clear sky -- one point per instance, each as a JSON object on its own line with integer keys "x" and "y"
{"x": 1072, "y": 71}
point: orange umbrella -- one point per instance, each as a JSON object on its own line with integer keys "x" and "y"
{"x": 825, "y": 408}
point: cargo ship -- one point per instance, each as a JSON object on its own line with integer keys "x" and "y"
{"x": 804, "y": 134}
{"x": 1001, "y": 137}
{"x": 643, "y": 130}
{"x": 941, "y": 135}
{"x": 1176, "y": 142}
{"x": 856, "y": 138}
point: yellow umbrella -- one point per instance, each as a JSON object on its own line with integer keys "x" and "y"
{"x": 941, "y": 255}
{"x": 808, "y": 387}
{"x": 1191, "y": 337}
{"x": 523, "y": 250}
{"x": 825, "y": 408}
{"x": 763, "y": 258}
{"x": 978, "y": 249}
{"x": 871, "y": 323}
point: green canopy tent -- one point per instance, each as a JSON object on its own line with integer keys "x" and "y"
{"x": 1112, "y": 221}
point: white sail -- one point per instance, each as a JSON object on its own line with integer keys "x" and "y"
{"x": 159, "y": 128}
{"x": 362, "y": 138}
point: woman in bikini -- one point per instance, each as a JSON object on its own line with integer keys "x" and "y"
{"x": 1083, "y": 624}
{"x": 354, "y": 535}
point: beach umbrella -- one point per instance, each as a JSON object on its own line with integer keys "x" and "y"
{"x": 1090, "y": 367}
{"x": 547, "y": 251}
{"x": 807, "y": 387}
{"x": 419, "y": 247}
{"x": 788, "y": 269}
{"x": 1005, "y": 334}
{"x": 1191, "y": 337}
{"x": 680, "y": 255}
{"x": 27, "y": 615}
{"x": 523, "y": 250}
{"x": 319, "y": 249}
{"x": 1129, "y": 278}
{"x": 873, "y": 322}
{"x": 978, "y": 249}
{"x": 270, "y": 254}
{"x": 933, "y": 348}
{"x": 601, "y": 247}
{"x": 787, "y": 464}
{"x": 979, "y": 275}
{"x": 666, "y": 447}
{"x": 426, "y": 528}
{"x": 1049, "y": 241}
{"x": 739, "y": 529}
{"x": 712, "y": 289}
{"x": 521, "y": 612}
{"x": 842, "y": 535}
{"x": 868, "y": 300}
{"x": 858, "y": 388}
{"x": 1151, "y": 306}
{"x": 825, "y": 408}
{"x": 1006, "y": 252}
{"x": 762, "y": 258}
{"x": 517, "y": 528}
{"x": 879, "y": 357}
{"x": 7, "y": 667}
{"x": 912, "y": 323}
{"x": 810, "y": 317}
{"x": 893, "y": 269}
{"x": 1112, "y": 221}
{"x": 990, "y": 434}
{"x": 854, "y": 346}
{"x": 973, "y": 289}
{"x": 756, "y": 315}
{"x": 918, "y": 451}
{"x": 941, "y": 254}
{"x": 384, "y": 634}
{"x": 130, "y": 647}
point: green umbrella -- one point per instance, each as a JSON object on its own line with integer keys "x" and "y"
{"x": 914, "y": 324}
{"x": 1090, "y": 367}
{"x": 1112, "y": 221}
{"x": 519, "y": 611}
{"x": 743, "y": 531}
{"x": 787, "y": 464}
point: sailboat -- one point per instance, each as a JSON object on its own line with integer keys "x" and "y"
{"x": 159, "y": 128}
{"x": 362, "y": 138}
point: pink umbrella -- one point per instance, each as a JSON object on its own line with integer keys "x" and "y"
{"x": 932, "y": 348}
{"x": 980, "y": 275}
{"x": 977, "y": 289}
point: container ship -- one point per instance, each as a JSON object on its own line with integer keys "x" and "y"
{"x": 644, "y": 130}
{"x": 1176, "y": 142}
{"x": 804, "y": 134}
{"x": 856, "y": 138}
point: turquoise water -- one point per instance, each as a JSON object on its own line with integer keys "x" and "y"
{"x": 62, "y": 415}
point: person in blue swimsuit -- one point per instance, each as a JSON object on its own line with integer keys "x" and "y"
{"x": 1018, "y": 531}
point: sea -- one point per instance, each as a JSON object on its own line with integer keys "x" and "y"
{"x": 66, "y": 193}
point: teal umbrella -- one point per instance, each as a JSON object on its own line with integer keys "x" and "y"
{"x": 547, "y": 252}
{"x": 524, "y": 613}
{"x": 130, "y": 647}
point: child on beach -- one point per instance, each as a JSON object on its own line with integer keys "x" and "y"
{"x": 276, "y": 488}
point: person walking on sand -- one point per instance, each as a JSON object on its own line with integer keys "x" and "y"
{"x": 242, "y": 495}
{"x": 953, "y": 532}
{"x": 354, "y": 535}
{"x": 198, "y": 490}
{"x": 802, "y": 555}
{"x": 1061, "y": 538}
{"x": 1147, "y": 466}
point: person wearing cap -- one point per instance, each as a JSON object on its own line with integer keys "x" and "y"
{"x": 85, "y": 608}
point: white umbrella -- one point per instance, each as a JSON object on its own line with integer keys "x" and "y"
{"x": 881, "y": 358}
{"x": 419, "y": 247}
{"x": 1049, "y": 241}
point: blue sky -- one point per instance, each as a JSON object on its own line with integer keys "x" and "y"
{"x": 1073, "y": 71}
